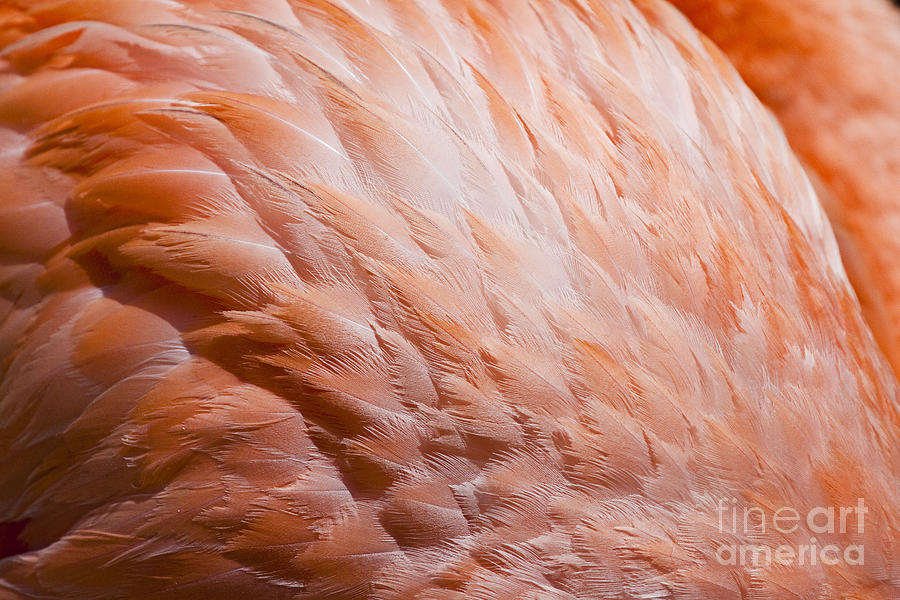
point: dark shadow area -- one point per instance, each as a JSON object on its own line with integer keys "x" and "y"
{"x": 10, "y": 544}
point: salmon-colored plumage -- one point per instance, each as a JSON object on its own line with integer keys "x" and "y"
{"x": 831, "y": 72}
{"x": 417, "y": 299}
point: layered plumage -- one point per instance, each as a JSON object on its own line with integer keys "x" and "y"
{"x": 829, "y": 70}
{"x": 401, "y": 299}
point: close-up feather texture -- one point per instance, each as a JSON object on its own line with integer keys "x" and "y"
{"x": 447, "y": 299}
{"x": 830, "y": 70}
